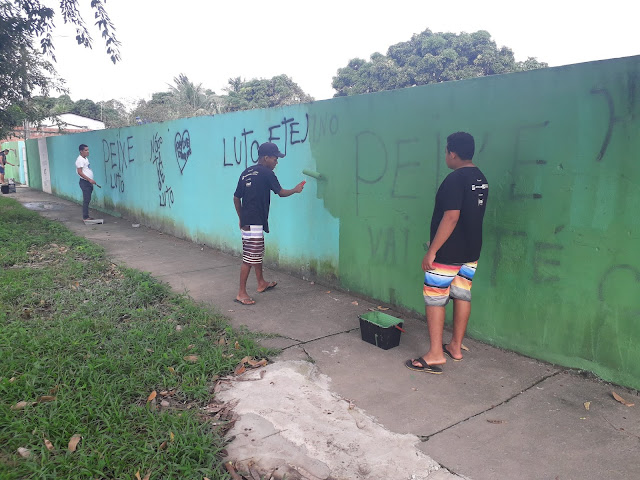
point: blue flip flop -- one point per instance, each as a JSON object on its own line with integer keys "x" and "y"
{"x": 425, "y": 367}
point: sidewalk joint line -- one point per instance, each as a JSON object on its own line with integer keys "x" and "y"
{"x": 300, "y": 342}
{"x": 193, "y": 271}
{"x": 425, "y": 438}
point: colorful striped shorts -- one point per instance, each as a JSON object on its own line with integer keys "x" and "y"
{"x": 448, "y": 281}
{"x": 253, "y": 245}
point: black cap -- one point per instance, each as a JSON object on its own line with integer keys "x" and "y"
{"x": 269, "y": 149}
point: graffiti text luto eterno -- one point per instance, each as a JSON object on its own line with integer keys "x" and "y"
{"x": 287, "y": 133}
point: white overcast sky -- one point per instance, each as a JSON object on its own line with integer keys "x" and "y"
{"x": 211, "y": 41}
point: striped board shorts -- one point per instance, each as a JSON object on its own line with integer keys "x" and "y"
{"x": 448, "y": 281}
{"x": 253, "y": 245}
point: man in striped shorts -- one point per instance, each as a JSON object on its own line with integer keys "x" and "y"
{"x": 252, "y": 199}
{"x": 451, "y": 260}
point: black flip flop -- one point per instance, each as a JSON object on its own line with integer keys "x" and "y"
{"x": 425, "y": 367}
{"x": 268, "y": 287}
{"x": 448, "y": 353}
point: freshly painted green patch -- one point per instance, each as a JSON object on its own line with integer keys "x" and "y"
{"x": 33, "y": 164}
{"x": 98, "y": 339}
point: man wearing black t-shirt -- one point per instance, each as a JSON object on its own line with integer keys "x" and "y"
{"x": 451, "y": 260}
{"x": 252, "y": 199}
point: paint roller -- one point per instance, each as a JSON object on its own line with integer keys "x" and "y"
{"x": 311, "y": 173}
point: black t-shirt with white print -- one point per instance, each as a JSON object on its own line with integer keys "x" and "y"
{"x": 254, "y": 189}
{"x": 465, "y": 189}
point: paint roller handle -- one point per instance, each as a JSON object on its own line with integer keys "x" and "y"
{"x": 400, "y": 328}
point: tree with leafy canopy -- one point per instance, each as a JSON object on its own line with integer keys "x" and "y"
{"x": 187, "y": 99}
{"x": 429, "y": 58}
{"x": 25, "y": 68}
{"x": 183, "y": 99}
{"x": 192, "y": 99}
{"x": 160, "y": 108}
{"x": 263, "y": 93}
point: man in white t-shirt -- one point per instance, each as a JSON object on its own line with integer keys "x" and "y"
{"x": 86, "y": 179}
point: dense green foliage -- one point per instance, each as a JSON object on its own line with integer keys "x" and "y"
{"x": 263, "y": 93}
{"x": 24, "y": 68}
{"x": 187, "y": 99}
{"x": 429, "y": 58}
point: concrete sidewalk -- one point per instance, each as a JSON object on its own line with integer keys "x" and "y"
{"x": 495, "y": 415}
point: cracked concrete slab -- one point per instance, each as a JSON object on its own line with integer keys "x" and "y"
{"x": 407, "y": 401}
{"x": 289, "y": 418}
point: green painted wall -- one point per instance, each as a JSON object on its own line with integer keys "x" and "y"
{"x": 33, "y": 164}
{"x": 560, "y": 269}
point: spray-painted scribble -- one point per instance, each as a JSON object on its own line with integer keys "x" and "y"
{"x": 166, "y": 196}
{"x": 156, "y": 159}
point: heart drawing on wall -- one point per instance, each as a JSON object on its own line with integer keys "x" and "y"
{"x": 183, "y": 149}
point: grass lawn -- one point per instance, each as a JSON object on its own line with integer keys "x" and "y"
{"x": 105, "y": 356}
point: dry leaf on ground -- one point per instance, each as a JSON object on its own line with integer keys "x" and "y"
{"x": 147, "y": 476}
{"x": 622, "y": 400}
{"x": 496, "y": 422}
{"x": 354, "y": 303}
{"x": 24, "y": 452}
{"x": 171, "y": 436}
{"x": 587, "y": 405}
{"x": 171, "y": 369}
{"x": 237, "y": 345}
{"x": 163, "y": 445}
{"x": 151, "y": 396}
{"x": 380, "y": 307}
{"x": 54, "y": 390}
{"x": 260, "y": 363}
{"x": 191, "y": 358}
{"x": 48, "y": 444}
{"x": 463, "y": 347}
{"x": 73, "y": 442}
{"x": 138, "y": 475}
{"x": 20, "y": 405}
{"x": 46, "y": 398}
{"x": 240, "y": 369}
